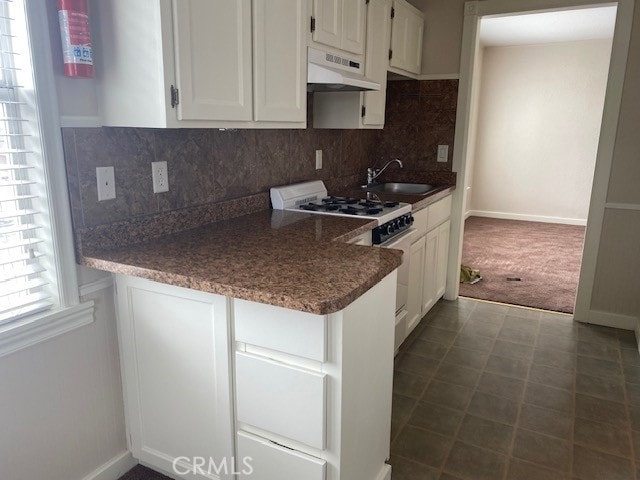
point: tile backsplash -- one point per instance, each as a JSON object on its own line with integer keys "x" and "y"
{"x": 208, "y": 166}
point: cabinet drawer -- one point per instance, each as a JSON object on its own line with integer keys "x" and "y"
{"x": 281, "y": 399}
{"x": 439, "y": 212}
{"x": 261, "y": 459}
{"x": 420, "y": 221}
{"x": 288, "y": 331}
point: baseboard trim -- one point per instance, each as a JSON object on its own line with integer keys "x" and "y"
{"x": 608, "y": 319}
{"x": 526, "y": 218}
{"x": 114, "y": 468}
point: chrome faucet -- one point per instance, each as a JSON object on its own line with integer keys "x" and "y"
{"x": 372, "y": 174}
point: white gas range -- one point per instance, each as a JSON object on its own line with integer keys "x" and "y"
{"x": 311, "y": 197}
{"x": 393, "y": 230}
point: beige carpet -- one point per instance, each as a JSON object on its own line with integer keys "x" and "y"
{"x": 544, "y": 256}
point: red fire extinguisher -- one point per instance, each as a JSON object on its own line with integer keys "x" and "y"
{"x": 76, "y": 38}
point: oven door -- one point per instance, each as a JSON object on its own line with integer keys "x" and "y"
{"x": 402, "y": 242}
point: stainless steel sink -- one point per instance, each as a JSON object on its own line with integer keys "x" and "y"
{"x": 402, "y": 188}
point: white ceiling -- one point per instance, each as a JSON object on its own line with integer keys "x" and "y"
{"x": 548, "y": 27}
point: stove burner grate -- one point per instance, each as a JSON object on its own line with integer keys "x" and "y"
{"x": 357, "y": 210}
{"x": 339, "y": 200}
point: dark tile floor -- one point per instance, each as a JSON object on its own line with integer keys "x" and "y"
{"x": 487, "y": 391}
{"x": 143, "y": 473}
{"x": 490, "y": 392}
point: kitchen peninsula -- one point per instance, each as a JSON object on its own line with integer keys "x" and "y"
{"x": 265, "y": 337}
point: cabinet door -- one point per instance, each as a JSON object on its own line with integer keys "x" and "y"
{"x": 354, "y": 15}
{"x": 430, "y": 271}
{"x": 212, "y": 40}
{"x": 443, "y": 257}
{"x": 376, "y": 60}
{"x": 328, "y": 19}
{"x": 280, "y": 60}
{"x": 416, "y": 279}
{"x": 407, "y": 30}
{"x": 174, "y": 348}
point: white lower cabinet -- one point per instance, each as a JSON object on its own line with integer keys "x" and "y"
{"x": 443, "y": 255}
{"x": 261, "y": 459}
{"x": 298, "y": 415}
{"x": 174, "y": 352}
{"x": 306, "y": 398}
{"x": 428, "y": 265}
{"x": 326, "y": 419}
{"x": 416, "y": 279}
{"x": 430, "y": 271}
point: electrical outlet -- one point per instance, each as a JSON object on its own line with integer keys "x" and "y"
{"x": 318, "y": 159}
{"x": 160, "y": 177}
{"x": 105, "y": 179}
{"x": 443, "y": 153}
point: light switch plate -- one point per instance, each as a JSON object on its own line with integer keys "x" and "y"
{"x": 160, "y": 176}
{"x": 106, "y": 182}
{"x": 318, "y": 159}
{"x": 443, "y": 153}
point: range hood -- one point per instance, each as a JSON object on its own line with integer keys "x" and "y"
{"x": 334, "y": 73}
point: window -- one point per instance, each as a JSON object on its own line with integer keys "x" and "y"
{"x": 38, "y": 285}
{"x": 24, "y": 277}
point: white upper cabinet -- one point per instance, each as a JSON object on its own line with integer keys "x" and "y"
{"x": 407, "y": 31}
{"x": 361, "y": 109}
{"x": 340, "y": 24}
{"x": 202, "y": 63}
{"x": 354, "y": 15}
{"x": 378, "y": 38}
{"x": 280, "y": 60}
{"x": 327, "y": 22}
{"x": 208, "y": 35}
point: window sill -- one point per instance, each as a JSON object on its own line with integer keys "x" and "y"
{"x": 40, "y": 327}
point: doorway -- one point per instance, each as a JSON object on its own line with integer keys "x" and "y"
{"x": 467, "y": 131}
{"x": 541, "y": 88}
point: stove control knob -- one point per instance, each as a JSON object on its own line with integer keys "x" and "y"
{"x": 390, "y": 229}
{"x": 411, "y": 219}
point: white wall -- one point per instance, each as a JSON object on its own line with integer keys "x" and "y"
{"x": 61, "y": 406}
{"x": 77, "y": 97}
{"x": 61, "y": 403}
{"x": 442, "y": 36}
{"x": 473, "y": 127}
{"x": 537, "y": 130}
{"x": 617, "y": 275}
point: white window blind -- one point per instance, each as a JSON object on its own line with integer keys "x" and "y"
{"x": 26, "y": 277}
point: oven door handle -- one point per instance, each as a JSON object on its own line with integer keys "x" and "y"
{"x": 404, "y": 236}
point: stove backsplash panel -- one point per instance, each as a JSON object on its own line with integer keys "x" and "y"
{"x": 208, "y": 166}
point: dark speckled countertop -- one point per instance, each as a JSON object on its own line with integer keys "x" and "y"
{"x": 289, "y": 259}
